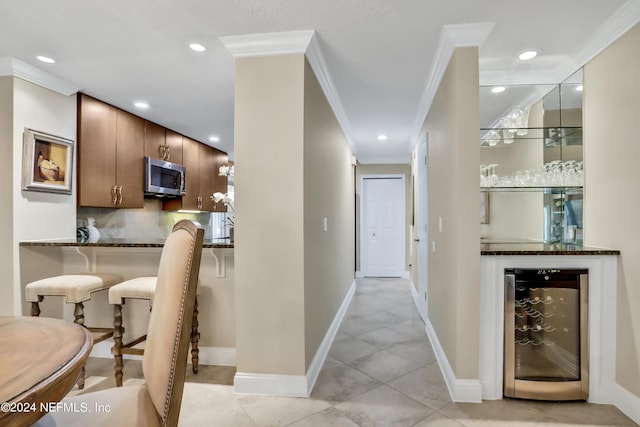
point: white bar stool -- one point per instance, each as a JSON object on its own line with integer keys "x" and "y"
{"x": 141, "y": 288}
{"x": 76, "y": 288}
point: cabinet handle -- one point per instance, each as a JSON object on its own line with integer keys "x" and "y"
{"x": 163, "y": 151}
{"x": 168, "y": 151}
{"x": 199, "y": 202}
{"x": 119, "y": 195}
{"x": 114, "y": 195}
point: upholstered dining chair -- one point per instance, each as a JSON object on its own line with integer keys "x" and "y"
{"x": 164, "y": 364}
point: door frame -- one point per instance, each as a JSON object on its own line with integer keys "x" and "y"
{"x": 361, "y": 232}
{"x": 422, "y": 226}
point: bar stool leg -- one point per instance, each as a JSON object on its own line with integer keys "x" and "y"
{"x": 195, "y": 339}
{"x": 78, "y": 314}
{"x": 35, "y": 306}
{"x": 116, "y": 350}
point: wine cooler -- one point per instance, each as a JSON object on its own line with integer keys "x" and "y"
{"x": 546, "y": 337}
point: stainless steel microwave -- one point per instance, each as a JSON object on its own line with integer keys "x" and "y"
{"x": 162, "y": 178}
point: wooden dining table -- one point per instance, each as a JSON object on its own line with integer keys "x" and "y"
{"x": 40, "y": 361}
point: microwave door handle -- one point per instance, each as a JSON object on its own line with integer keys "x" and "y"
{"x": 181, "y": 182}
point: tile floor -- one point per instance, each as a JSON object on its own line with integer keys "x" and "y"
{"x": 381, "y": 371}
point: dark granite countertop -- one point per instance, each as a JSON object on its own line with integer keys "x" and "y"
{"x": 123, "y": 243}
{"x": 541, "y": 248}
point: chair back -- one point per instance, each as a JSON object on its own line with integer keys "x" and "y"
{"x": 165, "y": 357}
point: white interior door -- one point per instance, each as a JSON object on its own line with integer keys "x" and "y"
{"x": 383, "y": 226}
{"x": 422, "y": 228}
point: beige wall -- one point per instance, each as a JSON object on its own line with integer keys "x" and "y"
{"x": 269, "y": 212}
{"x": 6, "y": 207}
{"x": 395, "y": 169}
{"x": 293, "y": 168}
{"x": 328, "y": 193}
{"x": 30, "y": 214}
{"x": 611, "y": 153}
{"x": 454, "y": 269}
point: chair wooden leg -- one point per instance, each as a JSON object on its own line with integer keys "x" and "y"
{"x": 116, "y": 350}
{"x": 35, "y": 306}
{"x": 195, "y": 339}
{"x": 78, "y": 314}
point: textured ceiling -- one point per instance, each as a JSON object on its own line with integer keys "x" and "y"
{"x": 379, "y": 53}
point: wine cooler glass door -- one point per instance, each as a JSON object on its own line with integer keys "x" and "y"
{"x": 544, "y": 336}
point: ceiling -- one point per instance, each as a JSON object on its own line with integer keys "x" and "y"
{"x": 379, "y": 54}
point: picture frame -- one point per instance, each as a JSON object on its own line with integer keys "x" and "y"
{"x": 47, "y": 162}
{"x": 484, "y": 207}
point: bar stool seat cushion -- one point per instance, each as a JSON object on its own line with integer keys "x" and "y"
{"x": 139, "y": 287}
{"x": 74, "y": 287}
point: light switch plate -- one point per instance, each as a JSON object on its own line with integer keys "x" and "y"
{"x": 324, "y": 224}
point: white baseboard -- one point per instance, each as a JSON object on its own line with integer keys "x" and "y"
{"x": 416, "y": 301}
{"x": 460, "y": 390}
{"x": 220, "y": 356}
{"x": 359, "y": 275}
{"x": 627, "y": 402}
{"x": 294, "y": 385}
{"x": 406, "y": 275}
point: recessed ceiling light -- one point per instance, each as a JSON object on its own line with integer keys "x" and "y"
{"x": 141, "y": 104}
{"x": 528, "y": 54}
{"x": 214, "y": 138}
{"x": 498, "y": 89}
{"x": 382, "y": 137}
{"x": 579, "y": 88}
{"x": 46, "y": 59}
{"x": 197, "y": 47}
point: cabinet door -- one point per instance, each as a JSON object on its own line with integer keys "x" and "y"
{"x": 129, "y": 160}
{"x": 190, "y": 161}
{"x": 154, "y": 140}
{"x": 96, "y": 152}
{"x": 174, "y": 146}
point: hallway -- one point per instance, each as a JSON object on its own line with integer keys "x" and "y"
{"x": 381, "y": 371}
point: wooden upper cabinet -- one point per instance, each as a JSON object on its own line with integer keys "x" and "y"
{"x": 201, "y": 163}
{"x": 110, "y": 152}
{"x": 162, "y": 143}
{"x": 154, "y": 140}
{"x": 173, "y": 141}
{"x": 129, "y": 160}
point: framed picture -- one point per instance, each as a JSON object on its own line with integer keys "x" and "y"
{"x": 47, "y": 162}
{"x": 484, "y": 207}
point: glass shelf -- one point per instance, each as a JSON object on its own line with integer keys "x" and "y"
{"x": 551, "y": 136}
{"x": 546, "y": 190}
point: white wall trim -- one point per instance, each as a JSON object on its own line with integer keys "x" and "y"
{"x": 627, "y": 402}
{"x": 625, "y": 17}
{"x": 359, "y": 274}
{"x": 602, "y": 318}
{"x": 264, "y": 44}
{"x": 414, "y": 294}
{"x": 319, "y": 66}
{"x": 13, "y": 67}
{"x": 288, "y": 42}
{"x": 460, "y": 390}
{"x": 221, "y": 356}
{"x": 451, "y": 36}
{"x": 325, "y": 345}
{"x": 294, "y": 385}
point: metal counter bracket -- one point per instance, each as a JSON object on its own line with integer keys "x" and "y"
{"x": 221, "y": 260}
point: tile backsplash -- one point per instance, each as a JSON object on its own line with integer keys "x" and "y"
{"x": 149, "y": 223}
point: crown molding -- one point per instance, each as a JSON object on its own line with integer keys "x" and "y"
{"x": 13, "y": 67}
{"x": 611, "y": 30}
{"x": 319, "y": 66}
{"x": 290, "y": 42}
{"x": 265, "y": 44}
{"x": 451, "y": 37}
